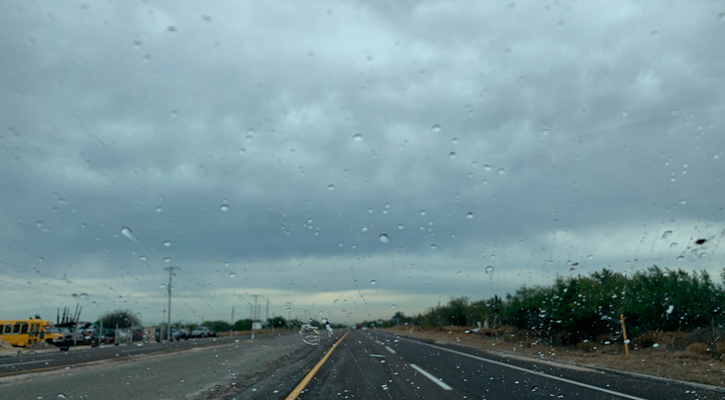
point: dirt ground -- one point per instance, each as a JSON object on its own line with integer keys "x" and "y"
{"x": 684, "y": 365}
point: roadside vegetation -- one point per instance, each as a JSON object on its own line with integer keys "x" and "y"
{"x": 664, "y": 309}
{"x": 674, "y": 321}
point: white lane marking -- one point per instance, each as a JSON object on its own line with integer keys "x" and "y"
{"x": 626, "y": 396}
{"x": 389, "y": 349}
{"x": 431, "y": 377}
{"x": 23, "y": 363}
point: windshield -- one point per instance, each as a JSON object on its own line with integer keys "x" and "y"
{"x": 548, "y": 173}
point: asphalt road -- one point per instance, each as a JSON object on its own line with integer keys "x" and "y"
{"x": 207, "y": 368}
{"x": 376, "y": 365}
{"x": 364, "y": 365}
{"x": 12, "y": 364}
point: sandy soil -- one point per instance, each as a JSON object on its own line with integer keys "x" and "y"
{"x": 681, "y": 365}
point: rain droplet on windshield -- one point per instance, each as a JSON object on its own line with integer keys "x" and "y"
{"x": 224, "y": 207}
{"x": 469, "y": 215}
{"x": 489, "y": 270}
{"x": 127, "y": 232}
{"x": 232, "y": 275}
{"x": 666, "y": 234}
{"x": 436, "y": 128}
{"x": 422, "y": 213}
{"x": 331, "y": 187}
{"x": 358, "y": 137}
{"x": 383, "y": 238}
{"x": 373, "y": 282}
{"x": 167, "y": 243}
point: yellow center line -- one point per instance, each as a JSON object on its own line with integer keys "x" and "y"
{"x": 301, "y": 386}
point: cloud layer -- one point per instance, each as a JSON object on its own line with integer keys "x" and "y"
{"x": 266, "y": 149}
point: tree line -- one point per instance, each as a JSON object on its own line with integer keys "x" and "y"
{"x": 574, "y": 309}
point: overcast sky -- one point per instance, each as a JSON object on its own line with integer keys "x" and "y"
{"x": 351, "y": 159}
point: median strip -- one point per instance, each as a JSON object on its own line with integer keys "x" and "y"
{"x": 306, "y": 380}
{"x": 431, "y": 377}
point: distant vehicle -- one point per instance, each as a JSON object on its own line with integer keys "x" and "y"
{"x": 63, "y": 337}
{"x": 202, "y": 332}
{"x": 179, "y": 334}
{"x": 26, "y": 332}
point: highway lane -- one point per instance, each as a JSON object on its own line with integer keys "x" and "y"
{"x": 364, "y": 365}
{"x": 12, "y": 364}
{"x": 377, "y": 365}
{"x": 211, "y": 371}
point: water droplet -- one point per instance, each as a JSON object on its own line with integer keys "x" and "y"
{"x": 224, "y": 208}
{"x": 383, "y": 238}
{"x": 373, "y": 282}
{"x": 458, "y": 272}
{"x": 331, "y": 187}
{"x": 487, "y": 167}
{"x": 501, "y": 171}
{"x": 721, "y": 16}
{"x": 142, "y": 258}
{"x": 401, "y": 227}
{"x": 433, "y": 247}
{"x": 358, "y": 137}
{"x": 171, "y": 29}
{"x": 625, "y": 114}
{"x": 590, "y": 257}
{"x": 74, "y": 296}
{"x": 469, "y": 215}
{"x": 452, "y": 155}
{"x": 436, "y": 128}
{"x": 162, "y": 286}
{"x": 656, "y": 345}
{"x": 454, "y": 140}
{"x": 680, "y": 258}
{"x": 159, "y": 210}
{"x": 61, "y": 396}
{"x": 146, "y": 58}
{"x": 364, "y": 228}
{"x": 84, "y": 296}
{"x": 167, "y": 260}
{"x": 670, "y": 309}
{"x": 422, "y": 213}
{"x": 127, "y": 232}
{"x": 534, "y": 388}
{"x": 167, "y": 243}
{"x": 232, "y": 275}
{"x": 703, "y": 255}
{"x": 666, "y": 234}
{"x": 393, "y": 306}
{"x": 673, "y": 245}
{"x": 489, "y": 270}
{"x": 137, "y": 44}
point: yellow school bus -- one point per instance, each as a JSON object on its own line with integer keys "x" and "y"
{"x": 24, "y": 332}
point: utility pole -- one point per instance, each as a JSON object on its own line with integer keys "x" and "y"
{"x": 231, "y": 323}
{"x": 256, "y": 309}
{"x": 168, "y": 310}
{"x": 266, "y": 317}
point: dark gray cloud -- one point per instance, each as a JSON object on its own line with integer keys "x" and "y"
{"x": 271, "y": 146}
